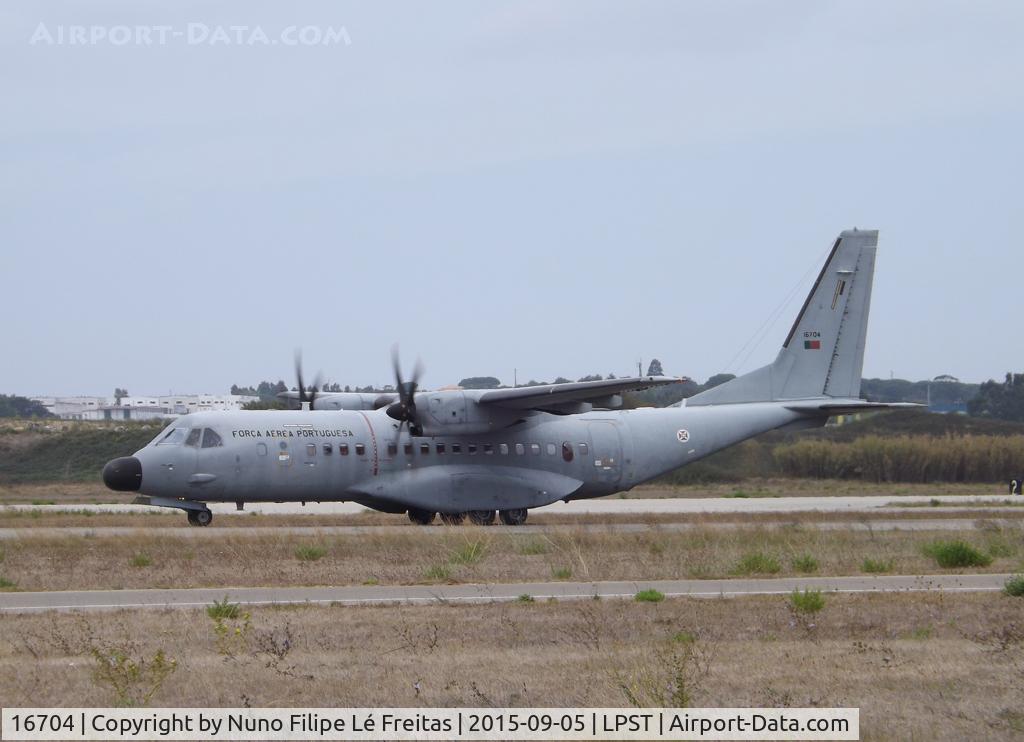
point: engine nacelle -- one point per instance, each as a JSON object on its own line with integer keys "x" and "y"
{"x": 455, "y": 413}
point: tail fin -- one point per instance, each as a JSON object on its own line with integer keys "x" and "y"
{"x": 824, "y": 352}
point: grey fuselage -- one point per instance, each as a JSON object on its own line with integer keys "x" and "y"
{"x": 364, "y": 456}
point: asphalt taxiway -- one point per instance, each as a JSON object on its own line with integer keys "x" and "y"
{"x": 95, "y": 600}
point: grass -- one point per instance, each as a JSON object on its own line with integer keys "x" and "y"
{"x": 6, "y": 584}
{"x": 649, "y": 596}
{"x": 142, "y": 559}
{"x": 876, "y": 566}
{"x": 266, "y": 556}
{"x": 805, "y": 564}
{"x": 1015, "y": 586}
{"x": 438, "y": 573}
{"x": 757, "y": 563}
{"x": 468, "y": 553}
{"x": 807, "y": 601}
{"x": 525, "y": 598}
{"x": 223, "y": 609}
{"x": 946, "y": 688}
{"x": 309, "y": 552}
{"x": 954, "y": 554}
{"x": 532, "y": 547}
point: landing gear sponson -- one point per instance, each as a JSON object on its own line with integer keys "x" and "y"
{"x": 477, "y": 517}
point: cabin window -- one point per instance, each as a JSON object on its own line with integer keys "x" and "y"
{"x": 424, "y": 448}
{"x": 551, "y": 449}
{"x": 193, "y": 437}
{"x": 328, "y": 449}
{"x": 470, "y": 448}
{"x": 211, "y": 439}
{"x": 488, "y": 448}
{"x": 173, "y": 438}
{"x": 456, "y": 448}
{"x": 343, "y": 449}
{"x": 408, "y": 449}
{"x": 503, "y": 449}
{"x": 535, "y": 449}
{"x": 392, "y": 449}
{"x": 567, "y": 451}
{"x": 584, "y": 449}
{"x": 440, "y": 448}
{"x": 520, "y": 449}
{"x": 360, "y": 449}
{"x": 311, "y": 450}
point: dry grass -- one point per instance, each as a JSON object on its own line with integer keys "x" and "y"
{"x": 918, "y": 666}
{"x": 786, "y": 487}
{"x": 96, "y": 492}
{"x": 918, "y": 458}
{"x": 406, "y": 556}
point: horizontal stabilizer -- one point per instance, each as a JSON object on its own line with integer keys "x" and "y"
{"x": 848, "y": 407}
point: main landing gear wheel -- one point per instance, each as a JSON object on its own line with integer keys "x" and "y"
{"x": 481, "y": 517}
{"x": 199, "y": 517}
{"x": 514, "y": 517}
{"x": 421, "y": 517}
{"x": 453, "y": 519}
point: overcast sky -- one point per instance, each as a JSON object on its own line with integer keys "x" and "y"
{"x": 560, "y": 187}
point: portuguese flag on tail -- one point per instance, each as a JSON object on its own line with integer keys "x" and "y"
{"x": 812, "y": 345}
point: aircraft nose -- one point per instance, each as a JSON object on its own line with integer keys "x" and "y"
{"x": 123, "y": 474}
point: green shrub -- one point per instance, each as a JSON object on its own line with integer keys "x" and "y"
{"x": 533, "y": 547}
{"x": 758, "y": 563}
{"x": 142, "y": 559}
{"x": 6, "y": 584}
{"x": 223, "y": 609}
{"x": 950, "y": 554}
{"x": 309, "y": 552}
{"x": 683, "y": 637}
{"x": 1015, "y": 586}
{"x": 649, "y": 596}
{"x": 876, "y": 566}
{"x": 805, "y": 563}
{"x": 439, "y": 572}
{"x": 807, "y": 601}
{"x": 525, "y": 598}
{"x": 561, "y": 573}
{"x": 469, "y": 553}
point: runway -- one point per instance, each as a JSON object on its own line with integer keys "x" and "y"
{"x": 99, "y": 600}
{"x": 264, "y": 530}
{"x": 605, "y": 506}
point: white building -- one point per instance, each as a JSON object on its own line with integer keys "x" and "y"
{"x": 71, "y": 408}
{"x": 141, "y": 408}
{"x": 184, "y": 404}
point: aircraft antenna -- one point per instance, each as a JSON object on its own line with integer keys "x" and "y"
{"x": 761, "y": 332}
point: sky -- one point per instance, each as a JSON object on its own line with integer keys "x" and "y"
{"x": 559, "y": 188}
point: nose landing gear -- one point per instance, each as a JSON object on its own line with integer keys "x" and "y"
{"x": 200, "y": 517}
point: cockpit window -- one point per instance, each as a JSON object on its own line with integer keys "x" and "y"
{"x": 193, "y": 437}
{"x": 211, "y": 439}
{"x": 172, "y": 437}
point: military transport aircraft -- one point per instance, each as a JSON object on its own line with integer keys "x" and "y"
{"x": 504, "y": 451}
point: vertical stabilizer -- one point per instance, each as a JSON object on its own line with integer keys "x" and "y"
{"x": 823, "y": 355}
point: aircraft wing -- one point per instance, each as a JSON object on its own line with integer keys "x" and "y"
{"x": 847, "y": 406}
{"x": 547, "y": 396}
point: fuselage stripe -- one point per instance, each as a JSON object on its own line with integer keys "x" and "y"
{"x": 373, "y": 440}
